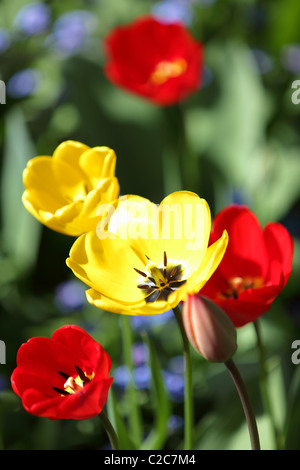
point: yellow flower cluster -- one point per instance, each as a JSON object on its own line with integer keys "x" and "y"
{"x": 138, "y": 258}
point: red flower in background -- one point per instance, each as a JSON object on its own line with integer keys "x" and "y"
{"x": 161, "y": 62}
{"x": 62, "y": 377}
{"x": 255, "y": 268}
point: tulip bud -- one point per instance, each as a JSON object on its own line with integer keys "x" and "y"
{"x": 209, "y": 329}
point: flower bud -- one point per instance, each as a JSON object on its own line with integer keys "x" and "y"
{"x": 209, "y": 329}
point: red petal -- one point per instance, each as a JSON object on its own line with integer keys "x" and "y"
{"x": 242, "y": 312}
{"x": 280, "y": 247}
{"x": 246, "y": 254}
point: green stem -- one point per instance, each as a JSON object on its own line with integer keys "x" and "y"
{"x": 189, "y": 162}
{"x": 188, "y": 395}
{"x": 134, "y": 419}
{"x": 246, "y": 403}
{"x": 113, "y": 438}
{"x": 181, "y": 167}
{"x": 264, "y": 386}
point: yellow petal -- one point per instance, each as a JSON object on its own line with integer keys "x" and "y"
{"x": 107, "y": 191}
{"x": 39, "y": 177}
{"x": 107, "y": 266}
{"x": 180, "y": 225}
{"x": 185, "y": 223}
{"x": 111, "y": 305}
{"x": 70, "y": 152}
{"x": 98, "y": 163}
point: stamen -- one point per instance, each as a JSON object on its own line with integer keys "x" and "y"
{"x": 176, "y": 283}
{"x": 81, "y": 374}
{"x": 140, "y": 272}
{"x": 173, "y": 272}
{"x": 61, "y": 391}
{"x": 165, "y": 280}
{"x": 238, "y": 285}
{"x": 63, "y": 374}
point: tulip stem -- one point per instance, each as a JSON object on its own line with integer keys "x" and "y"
{"x": 188, "y": 396}
{"x": 113, "y": 438}
{"x": 264, "y": 385}
{"x": 181, "y": 167}
{"x": 134, "y": 418}
{"x": 247, "y": 406}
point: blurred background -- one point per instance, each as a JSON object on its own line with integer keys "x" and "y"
{"x": 243, "y": 129}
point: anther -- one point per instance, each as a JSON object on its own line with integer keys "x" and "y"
{"x": 140, "y": 272}
{"x": 63, "y": 374}
{"x": 144, "y": 286}
{"x": 61, "y": 391}
{"x": 81, "y": 374}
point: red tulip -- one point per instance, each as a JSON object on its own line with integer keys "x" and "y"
{"x": 64, "y": 377}
{"x": 161, "y": 62}
{"x": 255, "y": 268}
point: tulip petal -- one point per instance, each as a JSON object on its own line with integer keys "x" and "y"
{"x": 280, "y": 248}
{"x": 108, "y": 266}
{"x": 98, "y": 163}
{"x": 70, "y": 152}
{"x": 246, "y": 254}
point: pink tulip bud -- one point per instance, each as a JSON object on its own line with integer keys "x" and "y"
{"x": 209, "y": 329}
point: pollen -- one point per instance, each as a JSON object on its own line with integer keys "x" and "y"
{"x": 165, "y": 70}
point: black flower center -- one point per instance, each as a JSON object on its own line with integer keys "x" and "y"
{"x": 160, "y": 281}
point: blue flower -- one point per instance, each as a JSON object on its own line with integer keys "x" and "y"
{"x": 141, "y": 377}
{"x": 33, "y": 19}
{"x": 121, "y": 376}
{"x": 139, "y": 354}
{"x": 4, "y": 40}
{"x": 72, "y": 30}
{"x": 70, "y": 295}
{"x": 175, "y": 422}
{"x": 290, "y": 57}
{"x": 23, "y": 83}
{"x": 173, "y": 11}
{"x": 175, "y": 385}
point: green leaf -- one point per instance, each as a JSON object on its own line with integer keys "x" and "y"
{"x": 160, "y": 402}
{"x": 21, "y": 232}
{"x": 125, "y": 442}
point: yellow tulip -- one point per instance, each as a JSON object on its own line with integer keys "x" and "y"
{"x": 145, "y": 259}
{"x": 64, "y": 191}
